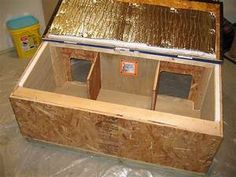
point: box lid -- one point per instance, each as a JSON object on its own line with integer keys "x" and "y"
{"x": 178, "y": 28}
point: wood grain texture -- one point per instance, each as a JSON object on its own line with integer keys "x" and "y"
{"x": 74, "y": 89}
{"x": 122, "y": 98}
{"x": 177, "y": 106}
{"x": 94, "y": 79}
{"x": 208, "y": 102}
{"x": 155, "y": 86}
{"x": 68, "y": 53}
{"x": 59, "y": 66}
{"x": 112, "y": 79}
{"x": 42, "y": 75}
{"x": 148, "y": 142}
{"x": 178, "y": 24}
{"x": 206, "y": 77}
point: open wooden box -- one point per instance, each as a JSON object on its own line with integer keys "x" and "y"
{"x": 154, "y": 108}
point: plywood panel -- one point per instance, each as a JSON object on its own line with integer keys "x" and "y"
{"x": 204, "y": 86}
{"x": 73, "y": 89}
{"x": 176, "y": 105}
{"x": 94, "y": 78}
{"x": 155, "y": 86}
{"x": 112, "y": 79}
{"x": 113, "y": 135}
{"x": 123, "y": 98}
{"x": 59, "y": 66}
{"x": 42, "y": 75}
{"x": 208, "y": 105}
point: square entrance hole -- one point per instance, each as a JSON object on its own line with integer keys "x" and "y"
{"x": 80, "y": 69}
{"x": 173, "y": 84}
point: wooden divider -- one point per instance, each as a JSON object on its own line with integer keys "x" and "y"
{"x": 94, "y": 79}
{"x": 155, "y": 87}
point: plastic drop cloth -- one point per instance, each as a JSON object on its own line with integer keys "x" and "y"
{"x": 20, "y": 158}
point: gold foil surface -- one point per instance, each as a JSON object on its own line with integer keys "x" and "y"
{"x": 139, "y": 23}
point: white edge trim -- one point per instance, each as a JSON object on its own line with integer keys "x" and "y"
{"x": 218, "y": 108}
{"x": 131, "y": 45}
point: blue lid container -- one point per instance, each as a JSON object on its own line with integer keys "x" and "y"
{"x": 22, "y": 22}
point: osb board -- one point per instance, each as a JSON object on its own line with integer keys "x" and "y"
{"x": 193, "y": 27}
{"x": 149, "y": 142}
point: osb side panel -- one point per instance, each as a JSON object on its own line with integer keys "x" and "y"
{"x": 115, "y": 136}
{"x": 140, "y": 23}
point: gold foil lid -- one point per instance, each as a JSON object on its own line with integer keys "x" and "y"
{"x": 137, "y": 23}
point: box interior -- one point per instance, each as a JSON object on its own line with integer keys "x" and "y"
{"x": 176, "y": 88}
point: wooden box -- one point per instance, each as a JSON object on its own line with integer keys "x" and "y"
{"x": 158, "y": 103}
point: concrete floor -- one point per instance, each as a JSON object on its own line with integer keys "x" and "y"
{"x": 20, "y": 158}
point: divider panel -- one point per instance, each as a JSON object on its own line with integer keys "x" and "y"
{"x": 155, "y": 87}
{"x": 94, "y": 79}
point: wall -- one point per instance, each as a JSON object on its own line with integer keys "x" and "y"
{"x": 230, "y": 10}
{"x": 48, "y": 8}
{"x": 14, "y": 8}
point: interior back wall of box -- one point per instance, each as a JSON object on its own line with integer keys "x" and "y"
{"x": 15, "y": 8}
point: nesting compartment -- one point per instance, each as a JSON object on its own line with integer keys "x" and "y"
{"x": 177, "y": 88}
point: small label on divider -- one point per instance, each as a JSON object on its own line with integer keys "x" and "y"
{"x": 128, "y": 67}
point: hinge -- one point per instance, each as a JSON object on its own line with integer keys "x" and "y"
{"x": 185, "y": 57}
{"x": 121, "y": 49}
{"x": 70, "y": 42}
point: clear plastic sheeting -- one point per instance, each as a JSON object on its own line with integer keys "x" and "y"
{"x": 22, "y": 158}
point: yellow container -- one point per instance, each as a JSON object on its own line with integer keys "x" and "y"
{"x": 26, "y": 39}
